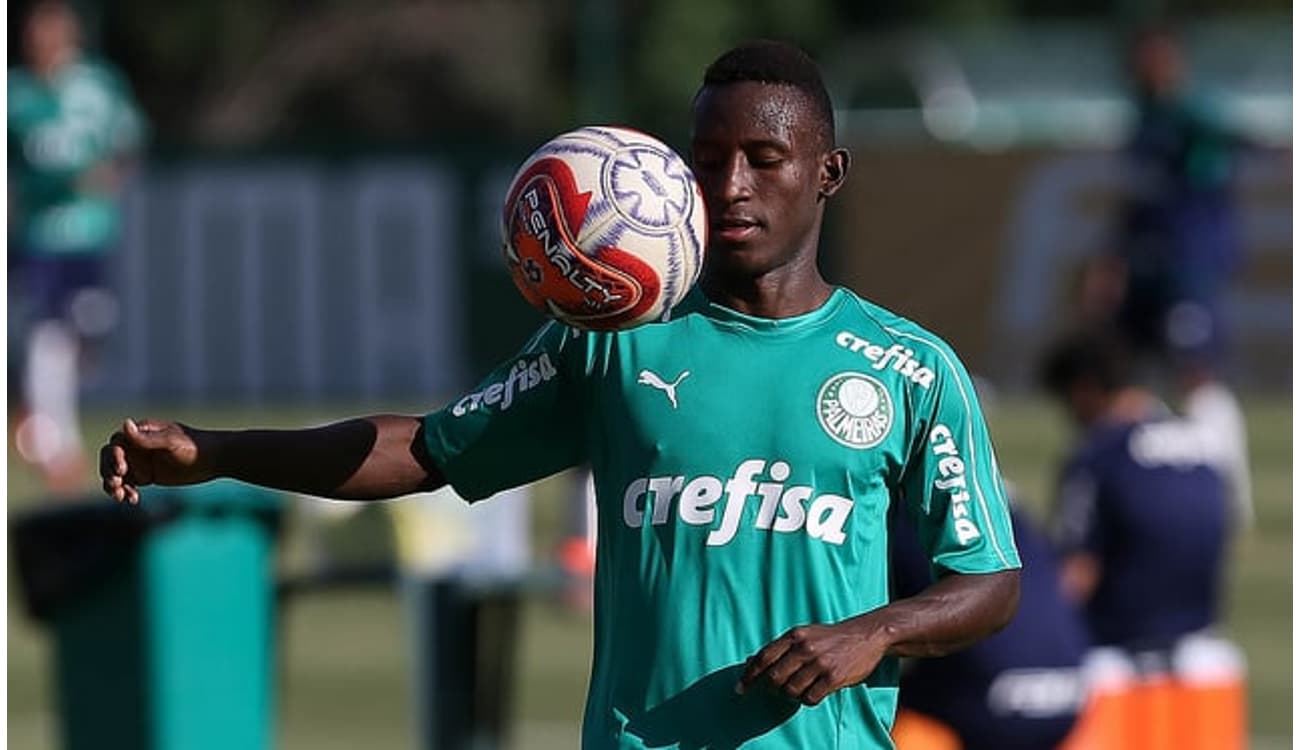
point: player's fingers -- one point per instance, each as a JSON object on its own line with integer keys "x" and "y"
{"x": 148, "y": 433}
{"x": 759, "y": 662}
{"x": 141, "y": 437}
{"x": 118, "y": 445}
{"x": 818, "y": 690}
{"x": 144, "y": 433}
{"x": 800, "y": 680}
{"x": 778, "y": 674}
{"x": 112, "y": 460}
{"x": 132, "y": 494}
{"x": 107, "y": 464}
{"x": 115, "y": 489}
{"x": 120, "y": 466}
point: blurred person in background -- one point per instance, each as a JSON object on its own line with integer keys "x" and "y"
{"x": 1142, "y": 522}
{"x": 1141, "y": 515}
{"x": 1019, "y": 689}
{"x": 1178, "y": 248}
{"x": 73, "y": 128}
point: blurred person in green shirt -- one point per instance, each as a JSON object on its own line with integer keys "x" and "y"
{"x": 73, "y": 127}
{"x": 1178, "y": 247}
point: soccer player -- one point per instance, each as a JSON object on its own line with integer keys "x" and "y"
{"x": 1178, "y": 247}
{"x": 72, "y": 127}
{"x": 1142, "y": 516}
{"x": 1142, "y": 523}
{"x": 741, "y": 574}
{"x": 1179, "y": 241}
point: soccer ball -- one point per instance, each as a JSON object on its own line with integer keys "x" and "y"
{"x": 604, "y": 228}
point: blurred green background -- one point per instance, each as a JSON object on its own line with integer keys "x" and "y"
{"x": 342, "y": 666}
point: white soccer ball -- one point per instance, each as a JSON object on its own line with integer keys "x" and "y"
{"x": 604, "y": 228}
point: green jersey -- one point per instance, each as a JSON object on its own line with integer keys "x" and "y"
{"x": 744, "y": 468}
{"x": 58, "y": 129}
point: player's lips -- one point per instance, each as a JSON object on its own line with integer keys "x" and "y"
{"x": 736, "y": 228}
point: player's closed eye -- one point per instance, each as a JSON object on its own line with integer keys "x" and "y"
{"x": 765, "y": 158}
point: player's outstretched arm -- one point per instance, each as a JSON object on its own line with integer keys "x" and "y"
{"x": 368, "y": 458}
{"x": 810, "y": 662}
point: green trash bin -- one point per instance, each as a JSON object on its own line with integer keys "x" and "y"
{"x": 162, "y": 616}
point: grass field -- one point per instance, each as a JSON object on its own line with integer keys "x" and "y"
{"x": 344, "y": 684}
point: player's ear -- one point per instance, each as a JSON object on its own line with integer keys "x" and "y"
{"x": 835, "y": 167}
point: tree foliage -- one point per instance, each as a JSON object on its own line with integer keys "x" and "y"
{"x": 252, "y": 71}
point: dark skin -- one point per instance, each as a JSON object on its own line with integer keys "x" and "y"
{"x": 368, "y": 458}
{"x": 766, "y": 169}
{"x": 766, "y": 173}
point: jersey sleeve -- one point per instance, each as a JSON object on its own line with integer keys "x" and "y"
{"x": 128, "y": 129}
{"x": 523, "y": 422}
{"x": 952, "y": 486}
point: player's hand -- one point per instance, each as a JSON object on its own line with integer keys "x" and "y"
{"x": 149, "y": 452}
{"x": 810, "y": 662}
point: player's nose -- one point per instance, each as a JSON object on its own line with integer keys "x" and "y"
{"x": 735, "y": 181}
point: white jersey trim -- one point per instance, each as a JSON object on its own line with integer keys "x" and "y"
{"x": 970, "y": 437}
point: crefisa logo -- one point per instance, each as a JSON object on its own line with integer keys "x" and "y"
{"x": 855, "y": 409}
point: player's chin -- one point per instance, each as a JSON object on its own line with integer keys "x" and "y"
{"x": 737, "y": 256}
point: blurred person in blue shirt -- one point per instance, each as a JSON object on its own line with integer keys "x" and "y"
{"x": 1178, "y": 241}
{"x": 1142, "y": 519}
{"x": 1178, "y": 247}
{"x": 73, "y": 127}
{"x": 1019, "y": 689}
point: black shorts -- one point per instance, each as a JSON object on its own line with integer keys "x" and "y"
{"x": 72, "y": 288}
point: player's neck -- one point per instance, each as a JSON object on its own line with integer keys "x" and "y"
{"x": 773, "y": 295}
{"x": 49, "y": 67}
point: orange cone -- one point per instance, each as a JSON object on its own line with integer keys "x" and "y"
{"x": 916, "y": 731}
{"x": 1210, "y": 699}
{"x": 1107, "y": 720}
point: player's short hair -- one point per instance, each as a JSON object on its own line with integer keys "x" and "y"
{"x": 1092, "y": 355}
{"x": 766, "y": 61}
{"x": 41, "y": 7}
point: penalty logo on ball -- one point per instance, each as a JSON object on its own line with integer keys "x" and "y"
{"x": 545, "y": 217}
{"x": 604, "y": 229}
{"x": 855, "y": 409}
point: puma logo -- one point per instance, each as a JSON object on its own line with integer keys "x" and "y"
{"x": 654, "y": 381}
